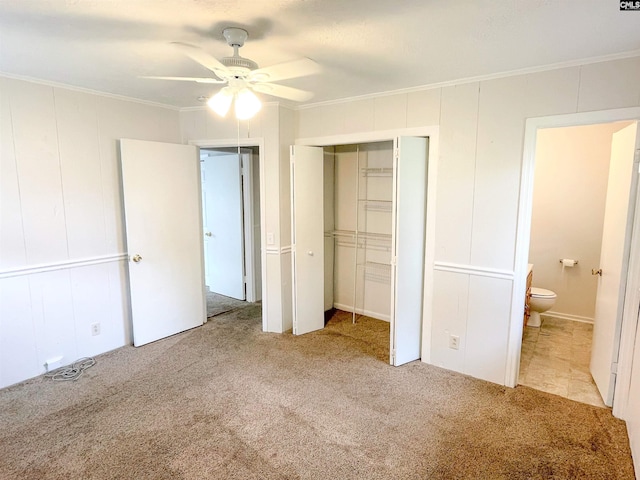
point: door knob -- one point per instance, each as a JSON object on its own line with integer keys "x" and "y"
{"x": 209, "y": 234}
{"x": 596, "y": 272}
{"x": 136, "y": 258}
{"x": 310, "y": 253}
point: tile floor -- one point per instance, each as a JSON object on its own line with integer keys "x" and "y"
{"x": 555, "y": 359}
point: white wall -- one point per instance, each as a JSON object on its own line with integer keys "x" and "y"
{"x": 62, "y": 240}
{"x": 570, "y": 188}
{"x": 481, "y": 149}
{"x": 274, "y": 126}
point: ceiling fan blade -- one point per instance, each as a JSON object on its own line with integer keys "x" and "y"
{"x": 282, "y": 71}
{"x": 281, "y": 91}
{"x": 189, "y": 79}
{"x": 203, "y": 58}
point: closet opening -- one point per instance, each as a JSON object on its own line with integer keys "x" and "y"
{"x": 358, "y": 220}
{"x": 358, "y": 216}
{"x": 360, "y": 233}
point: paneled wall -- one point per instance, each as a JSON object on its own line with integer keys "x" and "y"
{"x": 62, "y": 245}
{"x": 478, "y": 186}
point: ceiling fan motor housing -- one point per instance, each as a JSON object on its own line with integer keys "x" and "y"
{"x": 238, "y": 61}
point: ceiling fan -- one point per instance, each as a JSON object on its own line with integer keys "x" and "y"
{"x": 242, "y": 77}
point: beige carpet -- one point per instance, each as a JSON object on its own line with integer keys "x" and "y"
{"x": 218, "y": 304}
{"x": 226, "y": 401}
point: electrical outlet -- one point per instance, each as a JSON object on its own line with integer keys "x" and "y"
{"x": 95, "y": 329}
{"x": 454, "y": 342}
{"x": 270, "y": 238}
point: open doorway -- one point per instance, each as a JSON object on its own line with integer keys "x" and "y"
{"x": 231, "y": 227}
{"x": 581, "y": 218}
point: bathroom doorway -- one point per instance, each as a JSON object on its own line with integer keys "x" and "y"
{"x": 575, "y": 186}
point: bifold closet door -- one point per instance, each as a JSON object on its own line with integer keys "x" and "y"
{"x": 410, "y": 188}
{"x": 307, "y": 230}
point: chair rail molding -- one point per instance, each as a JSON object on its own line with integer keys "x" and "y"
{"x": 67, "y": 264}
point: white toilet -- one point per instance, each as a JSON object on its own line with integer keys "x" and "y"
{"x": 541, "y": 301}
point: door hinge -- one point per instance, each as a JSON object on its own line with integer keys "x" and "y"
{"x": 614, "y": 367}
{"x": 393, "y": 356}
{"x": 396, "y": 153}
{"x": 394, "y": 260}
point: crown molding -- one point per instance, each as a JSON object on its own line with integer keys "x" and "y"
{"x": 74, "y": 88}
{"x": 420, "y": 88}
{"x": 264, "y": 104}
{"x": 479, "y": 78}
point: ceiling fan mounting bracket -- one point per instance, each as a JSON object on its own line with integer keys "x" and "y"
{"x": 235, "y": 37}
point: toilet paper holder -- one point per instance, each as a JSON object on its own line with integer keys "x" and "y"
{"x": 569, "y": 260}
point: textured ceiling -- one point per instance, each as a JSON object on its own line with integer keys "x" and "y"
{"x": 364, "y": 46}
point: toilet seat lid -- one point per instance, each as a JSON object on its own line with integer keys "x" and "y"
{"x": 541, "y": 292}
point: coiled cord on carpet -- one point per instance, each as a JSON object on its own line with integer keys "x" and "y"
{"x": 71, "y": 372}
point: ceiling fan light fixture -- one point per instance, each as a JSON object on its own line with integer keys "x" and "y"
{"x": 221, "y": 101}
{"x": 247, "y": 104}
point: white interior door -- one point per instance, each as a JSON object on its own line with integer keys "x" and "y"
{"x": 251, "y": 209}
{"x": 307, "y": 216}
{"x": 164, "y": 238}
{"x": 614, "y": 261}
{"x": 410, "y": 188}
{"x": 222, "y": 180}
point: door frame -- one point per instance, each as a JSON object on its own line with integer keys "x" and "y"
{"x": 257, "y": 142}
{"x": 523, "y": 234}
{"x": 249, "y": 239}
{"x": 433, "y": 133}
{"x": 246, "y": 240}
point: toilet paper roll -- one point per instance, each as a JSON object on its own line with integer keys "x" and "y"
{"x": 568, "y": 262}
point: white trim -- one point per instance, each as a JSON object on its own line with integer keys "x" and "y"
{"x": 52, "y": 267}
{"x": 230, "y": 143}
{"x": 523, "y": 234}
{"x": 273, "y": 251}
{"x": 478, "y": 78}
{"x": 250, "y": 142}
{"x": 419, "y": 88}
{"x": 368, "y": 137}
{"x": 200, "y": 108}
{"x": 286, "y": 249}
{"x": 361, "y": 311}
{"x": 629, "y": 334}
{"x": 73, "y": 88}
{"x": 473, "y": 270}
{"x": 247, "y": 175}
{"x": 568, "y": 316}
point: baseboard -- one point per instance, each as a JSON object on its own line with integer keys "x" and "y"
{"x": 360, "y": 311}
{"x": 568, "y": 316}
